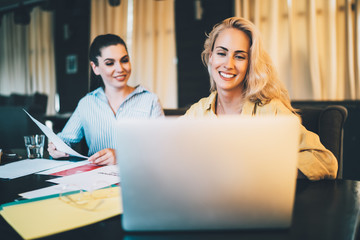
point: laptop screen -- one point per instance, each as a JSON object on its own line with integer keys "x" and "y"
{"x": 225, "y": 173}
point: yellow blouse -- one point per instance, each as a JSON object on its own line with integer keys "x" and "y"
{"x": 315, "y": 161}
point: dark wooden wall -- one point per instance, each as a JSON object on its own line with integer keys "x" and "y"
{"x": 193, "y": 79}
{"x": 72, "y": 34}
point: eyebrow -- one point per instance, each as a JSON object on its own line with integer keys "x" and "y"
{"x": 237, "y": 51}
{"x": 111, "y": 59}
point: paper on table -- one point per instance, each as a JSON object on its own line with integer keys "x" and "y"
{"x": 95, "y": 179}
{"x": 28, "y": 166}
{"x": 65, "y": 167}
{"x": 47, "y": 191}
{"x": 46, "y": 217}
{"x": 59, "y": 144}
{"x": 76, "y": 170}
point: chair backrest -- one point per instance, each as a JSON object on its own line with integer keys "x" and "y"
{"x": 14, "y": 125}
{"x": 175, "y": 112}
{"x": 34, "y": 104}
{"x": 4, "y": 100}
{"x": 328, "y": 123}
{"x": 37, "y": 104}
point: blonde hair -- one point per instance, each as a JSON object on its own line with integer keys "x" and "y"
{"x": 261, "y": 83}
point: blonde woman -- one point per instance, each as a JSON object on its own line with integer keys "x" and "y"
{"x": 244, "y": 81}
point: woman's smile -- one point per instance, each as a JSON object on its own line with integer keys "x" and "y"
{"x": 227, "y": 76}
{"x": 120, "y": 77}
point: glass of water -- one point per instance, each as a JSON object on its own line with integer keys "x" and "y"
{"x": 34, "y": 145}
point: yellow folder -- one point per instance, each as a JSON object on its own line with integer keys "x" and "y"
{"x": 46, "y": 217}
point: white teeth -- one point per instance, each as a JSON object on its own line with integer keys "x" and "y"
{"x": 227, "y": 75}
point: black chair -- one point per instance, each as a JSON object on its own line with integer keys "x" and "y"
{"x": 175, "y": 111}
{"x": 4, "y": 100}
{"x": 328, "y": 123}
{"x": 19, "y": 100}
{"x": 37, "y": 103}
{"x": 351, "y": 163}
{"x": 14, "y": 125}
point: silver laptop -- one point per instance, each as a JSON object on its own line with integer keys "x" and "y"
{"x": 207, "y": 174}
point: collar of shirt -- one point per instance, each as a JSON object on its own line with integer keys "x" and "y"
{"x": 210, "y": 104}
{"x": 100, "y": 93}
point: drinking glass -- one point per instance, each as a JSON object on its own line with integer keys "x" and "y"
{"x": 34, "y": 145}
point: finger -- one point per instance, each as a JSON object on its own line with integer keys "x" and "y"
{"x": 58, "y": 154}
{"x": 51, "y": 146}
{"x": 106, "y": 159}
{"x": 93, "y": 157}
{"x": 99, "y": 160}
{"x": 62, "y": 154}
{"x": 102, "y": 158}
{"x": 97, "y": 155}
{"x": 51, "y": 149}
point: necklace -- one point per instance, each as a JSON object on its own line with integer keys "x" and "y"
{"x": 219, "y": 108}
{"x": 221, "y": 111}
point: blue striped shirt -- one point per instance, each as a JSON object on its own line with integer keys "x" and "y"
{"x": 94, "y": 119}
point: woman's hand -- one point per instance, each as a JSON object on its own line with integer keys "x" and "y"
{"x": 55, "y": 153}
{"x": 104, "y": 157}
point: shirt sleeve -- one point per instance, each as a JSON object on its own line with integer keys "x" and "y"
{"x": 156, "y": 109}
{"x": 314, "y": 160}
{"x": 73, "y": 131}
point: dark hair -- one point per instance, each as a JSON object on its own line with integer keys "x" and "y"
{"x": 100, "y": 42}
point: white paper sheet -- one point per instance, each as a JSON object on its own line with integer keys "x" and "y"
{"x": 65, "y": 167}
{"x": 28, "y": 166}
{"x": 59, "y": 144}
{"x": 47, "y": 191}
{"x": 91, "y": 180}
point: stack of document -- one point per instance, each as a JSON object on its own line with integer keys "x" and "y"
{"x": 35, "y": 219}
{"x": 85, "y": 178}
{"x": 75, "y": 176}
{"x": 47, "y": 213}
{"x": 29, "y": 166}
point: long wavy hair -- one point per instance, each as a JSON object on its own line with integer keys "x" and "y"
{"x": 100, "y": 42}
{"x": 261, "y": 83}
